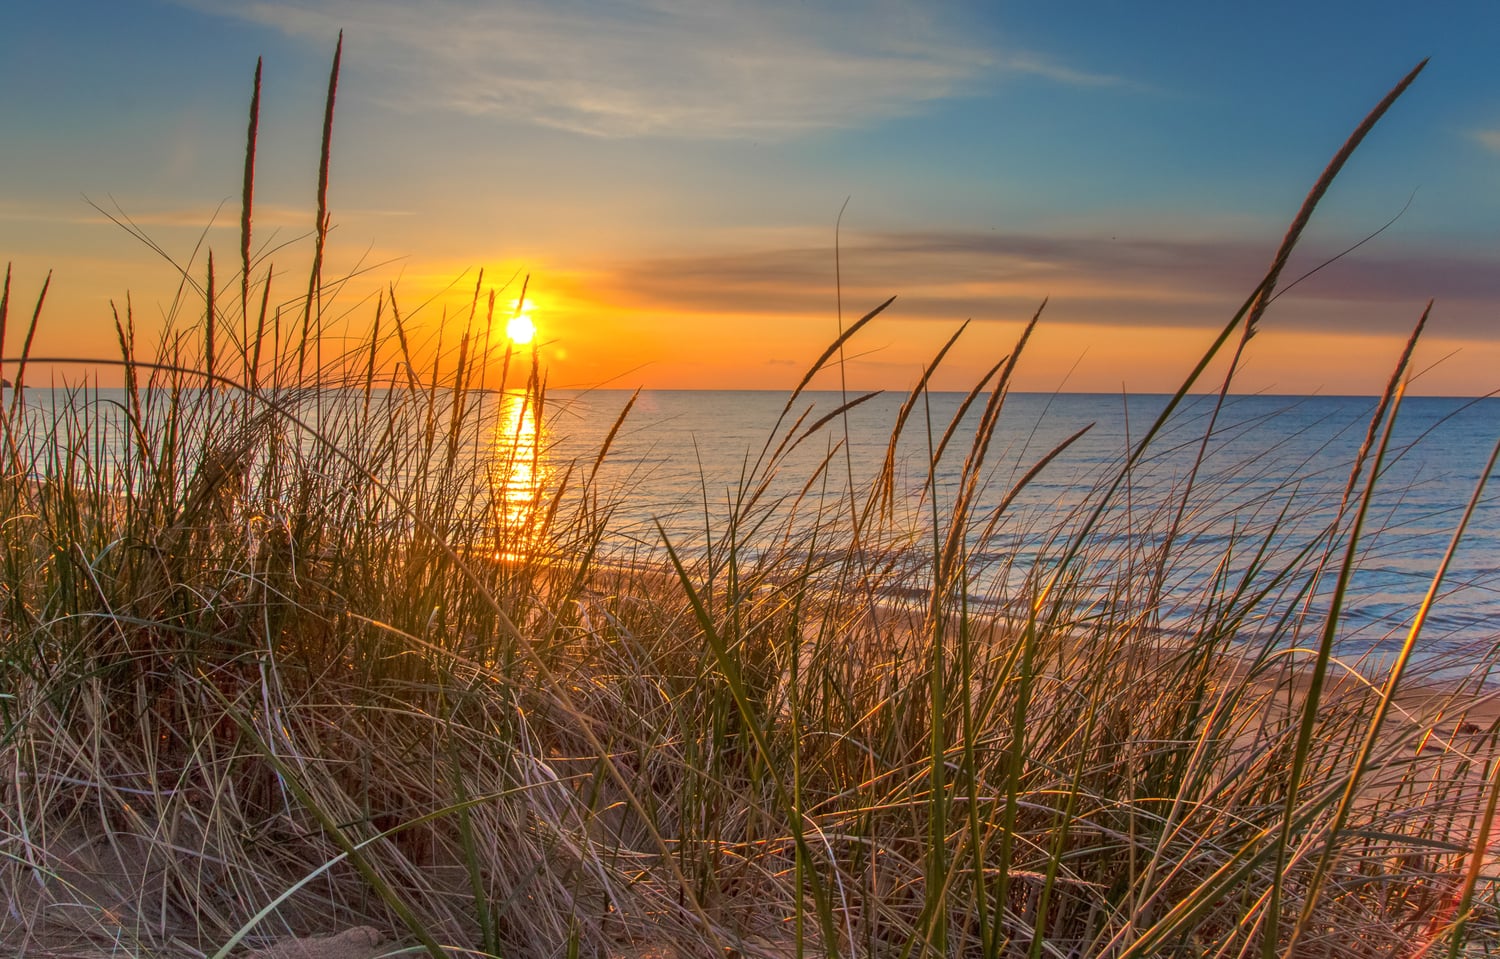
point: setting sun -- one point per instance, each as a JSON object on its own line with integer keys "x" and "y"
{"x": 520, "y": 329}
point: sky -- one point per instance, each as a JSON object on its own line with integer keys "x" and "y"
{"x": 668, "y": 178}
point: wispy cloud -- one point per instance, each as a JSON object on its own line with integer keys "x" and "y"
{"x": 1038, "y": 65}
{"x": 1090, "y": 279}
{"x": 679, "y": 68}
{"x": 1489, "y": 139}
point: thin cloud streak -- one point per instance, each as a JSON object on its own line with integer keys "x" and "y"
{"x": 1489, "y": 139}
{"x": 991, "y": 276}
{"x": 1037, "y": 65}
{"x": 676, "y": 68}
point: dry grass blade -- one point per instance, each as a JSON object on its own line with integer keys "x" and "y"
{"x": 1035, "y": 471}
{"x": 1315, "y": 195}
{"x": 247, "y": 198}
{"x": 1392, "y": 385}
{"x": 980, "y": 385}
{"x": 885, "y": 487}
{"x": 312, "y": 306}
{"x": 209, "y": 320}
{"x": 832, "y": 349}
{"x": 4, "y": 307}
{"x": 19, "y": 382}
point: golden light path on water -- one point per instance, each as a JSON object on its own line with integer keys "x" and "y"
{"x": 518, "y": 474}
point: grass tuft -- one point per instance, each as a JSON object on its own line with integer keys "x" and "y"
{"x": 297, "y": 637}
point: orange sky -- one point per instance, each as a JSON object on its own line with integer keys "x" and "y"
{"x": 618, "y": 327}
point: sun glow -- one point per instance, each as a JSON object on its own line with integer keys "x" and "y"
{"x": 521, "y": 329}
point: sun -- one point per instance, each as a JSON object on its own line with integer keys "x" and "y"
{"x": 520, "y": 329}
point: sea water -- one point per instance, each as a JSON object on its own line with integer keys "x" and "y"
{"x": 1227, "y": 502}
{"x": 1248, "y": 490}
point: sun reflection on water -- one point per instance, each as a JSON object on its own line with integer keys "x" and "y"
{"x": 518, "y": 477}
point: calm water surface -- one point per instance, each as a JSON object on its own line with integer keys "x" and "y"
{"x": 1274, "y": 471}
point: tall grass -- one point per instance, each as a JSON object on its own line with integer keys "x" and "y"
{"x": 281, "y": 654}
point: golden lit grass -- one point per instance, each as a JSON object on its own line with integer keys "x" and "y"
{"x": 279, "y": 660}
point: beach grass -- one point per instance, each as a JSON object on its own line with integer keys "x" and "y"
{"x": 279, "y": 657}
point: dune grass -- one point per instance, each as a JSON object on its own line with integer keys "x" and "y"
{"x": 281, "y": 655}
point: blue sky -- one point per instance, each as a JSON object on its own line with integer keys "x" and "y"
{"x": 670, "y": 174}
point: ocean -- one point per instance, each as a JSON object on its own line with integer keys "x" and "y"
{"x": 1249, "y": 525}
{"x": 1273, "y": 472}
